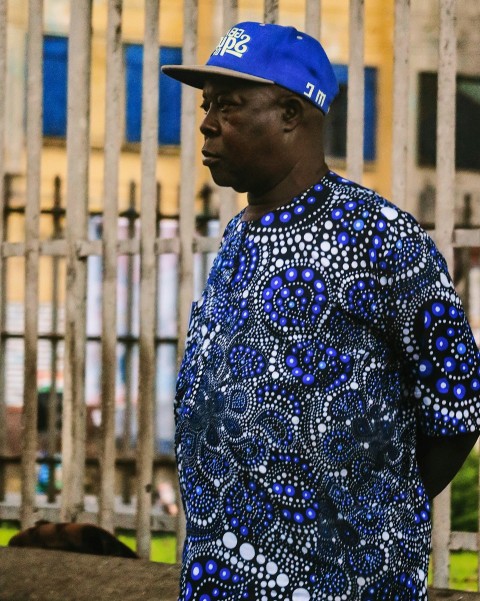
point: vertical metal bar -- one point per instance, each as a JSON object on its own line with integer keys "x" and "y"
{"x": 53, "y": 395}
{"x": 3, "y": 296}
{"x": 78, "y": 141}
{"x": 187, "y": 196}
{"x": 313, "y": 18}
{"x": 3, "y": 318}
{"x": 127, "y": 422}
{"x": 110, "y": 239}
{"x": 32, "y": 256}
{"x": 145, "y": 442}
{"x": 228, "y": 197}
{"x": 356, "y": 91}
{"x": 400, "y": 102}
{"x": 444, "y": 232}
{"x": 270, "y": 11}
{"x": 157, "y": 412}
{"x": 478, "y": 534}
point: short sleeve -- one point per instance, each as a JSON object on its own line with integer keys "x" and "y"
{"x": 433, "y": 338}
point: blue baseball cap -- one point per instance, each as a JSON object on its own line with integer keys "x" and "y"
{"x": 270, "y": 54}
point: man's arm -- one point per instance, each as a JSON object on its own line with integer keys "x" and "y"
{"x": 440, "y": 458}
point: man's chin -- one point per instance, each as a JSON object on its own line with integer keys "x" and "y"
{"x": 225, "y": 181}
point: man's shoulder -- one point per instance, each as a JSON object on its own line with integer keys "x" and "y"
{"x": 369, "y": 204}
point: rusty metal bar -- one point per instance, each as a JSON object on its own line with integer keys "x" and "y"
{"x": 78, "y": 141}
{"x": 109, "y": 237}
{"x": 270, "y": 11}
{"x": 356, "y": 91}
{"x": 444, "y": 231}
{"x": 57, "y": 248}
{"x": 145, "y": 437}
{"x": 313, "y": 18}
{"x": 3, "y": 316}
{"x": 127, "y": 422}
{"x": 32, "y": 220}
{"x": 400, "y": 102}
{"x": 3, "y": 296}
{"x": 91, "y": 248}
{"x": 53, "y": 394}
{"x": 187, "y": 195}
{"x": 477, "y": 537}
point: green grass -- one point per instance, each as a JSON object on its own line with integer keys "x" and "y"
{"x": 7, "y": 530}
{"x": 465, "y": 495}
{"x": 163, "y": 548}
{"x": 463, "y": 571}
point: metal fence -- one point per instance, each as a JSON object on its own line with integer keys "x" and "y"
{"x": 74, "y": 246}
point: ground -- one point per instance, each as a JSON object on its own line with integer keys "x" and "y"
{"x": 40, "y": 575}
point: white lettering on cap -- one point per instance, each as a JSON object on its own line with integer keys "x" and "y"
{"x": 235, "y": 42}
{"x": 314, "y": 94}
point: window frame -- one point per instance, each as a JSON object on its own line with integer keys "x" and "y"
{"x": 370, "y": 112}
{"x": 426, "y": 122}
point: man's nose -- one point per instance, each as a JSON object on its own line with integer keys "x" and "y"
{"x": 210, "y": 125}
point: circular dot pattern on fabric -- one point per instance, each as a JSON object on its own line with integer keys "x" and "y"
{"x": 327, "y": 333}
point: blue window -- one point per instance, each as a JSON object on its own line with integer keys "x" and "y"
{"x": 55, "y": 66}
{"x": 336, "y": 122}
{"x": 169, "y": 109}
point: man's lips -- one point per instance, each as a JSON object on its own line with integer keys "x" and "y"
{"x": 209, "y": 158}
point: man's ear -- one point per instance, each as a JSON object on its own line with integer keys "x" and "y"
{"x": 293, "y": 111}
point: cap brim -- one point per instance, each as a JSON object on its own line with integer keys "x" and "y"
{"x": 196, "y": 76}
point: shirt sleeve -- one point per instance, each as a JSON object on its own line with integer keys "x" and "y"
{"x": 433, "y": 338}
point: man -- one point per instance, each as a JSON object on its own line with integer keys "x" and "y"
{"x": 330, "y": 384}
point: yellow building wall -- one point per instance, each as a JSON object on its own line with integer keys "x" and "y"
{"x": 378, "y": 53}
{"x": 54, "y": 161}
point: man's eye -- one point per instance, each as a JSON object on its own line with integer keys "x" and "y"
{"x": 223, "y": 104}
{"x": 204, "y": 106}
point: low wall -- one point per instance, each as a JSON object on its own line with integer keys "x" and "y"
{"x": 39, "y": 575}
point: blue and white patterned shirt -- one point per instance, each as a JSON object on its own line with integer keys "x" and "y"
{"x": 328, "y": 332}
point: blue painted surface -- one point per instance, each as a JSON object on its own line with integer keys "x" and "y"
{"x": 55, "y": 75}
{"x": 170, "y": 95}
{"x": 55, "y": 67}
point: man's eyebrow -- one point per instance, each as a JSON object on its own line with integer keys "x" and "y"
{"x": 215, "y": 94}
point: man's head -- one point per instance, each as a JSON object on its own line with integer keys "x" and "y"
{"x": 266, "y": 89}
{"x": 255, "y": 134}
{"x": 270, "y": 54}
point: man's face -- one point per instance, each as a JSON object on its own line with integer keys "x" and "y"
{"x": 243, "y": 131}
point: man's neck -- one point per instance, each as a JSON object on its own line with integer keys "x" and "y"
{"x": 282, "y": 194}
